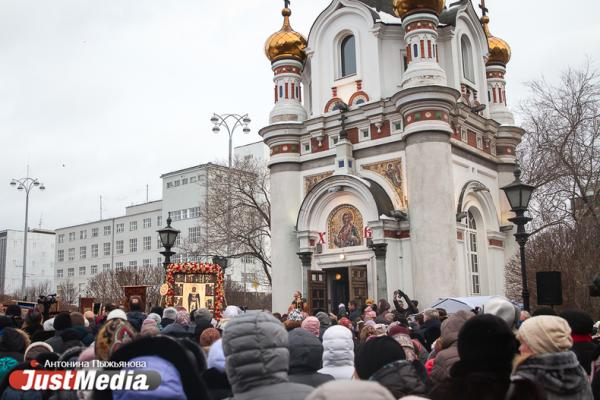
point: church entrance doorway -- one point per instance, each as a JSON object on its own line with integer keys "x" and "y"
{"x": 332, "y": 286}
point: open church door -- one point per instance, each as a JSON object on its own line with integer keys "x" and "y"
{"x": 358, "y": 284}
{"x": 317, "y": 291}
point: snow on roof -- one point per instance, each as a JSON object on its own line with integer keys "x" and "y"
{"x": 387, "y": 18}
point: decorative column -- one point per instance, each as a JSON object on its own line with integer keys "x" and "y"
{"x": 420, "y": 22}
{"x": 380, "y": 250}
{"x": 495, "y": 67}
{"x": 306, "y": 260}
{"x": 286, "y": 51}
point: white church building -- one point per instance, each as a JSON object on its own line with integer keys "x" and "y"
{"x": 390, "y": 139}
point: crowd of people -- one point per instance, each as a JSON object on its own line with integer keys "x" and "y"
{"x": 374, "y": 350}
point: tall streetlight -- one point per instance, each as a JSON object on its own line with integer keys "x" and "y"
{"x": 26, "y": 184}
{"x": 236, "y": 120}
{"x": 224, "y": 120}
{"x": 519, "y": 194}
{"x": 168, "y": 237}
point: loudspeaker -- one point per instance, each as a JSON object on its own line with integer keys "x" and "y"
{"x": 549, "y": 288}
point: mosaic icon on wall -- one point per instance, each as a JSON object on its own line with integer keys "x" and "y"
{"x": 344, "y": 227}
{"x": 391, "y": 171}
{"x": 312, "y": 180}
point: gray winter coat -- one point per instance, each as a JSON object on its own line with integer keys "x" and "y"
{"x": 560, "y": 374}
{"x": 306, "y": 358}
{"x": 257, "y": 359}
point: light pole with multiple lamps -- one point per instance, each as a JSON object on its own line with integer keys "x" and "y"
{"x": 168, "y": 237}
{"x": 26, "y": 184}
{"x": 518, "y": 195}
{"x": 223, "y": 120}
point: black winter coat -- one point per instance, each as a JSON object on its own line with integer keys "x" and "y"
{"x": 402, "y": 378}
{"x": 306, "y": 358}
{"x": 217, "y": 384}
{"x": 429, "y": 331}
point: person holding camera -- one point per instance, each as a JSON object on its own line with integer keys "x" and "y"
{"x": 411, "y": 307}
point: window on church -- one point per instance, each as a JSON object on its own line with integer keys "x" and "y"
{"x": 467, "y": 58}
{"x": 472, "y": 253}
{"x": 348, "y": 56}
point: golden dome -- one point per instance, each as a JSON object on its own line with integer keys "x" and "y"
{"x": 405, "y": 7}
{"x": 286, "y": 43}
{"x": 499, "y": 49}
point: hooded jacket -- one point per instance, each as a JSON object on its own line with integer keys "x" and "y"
{"x": 338, "y": 353}
{"x": 136, "y": 318}
{"x": 446, "y": 358}
{"x": 351, "y": 390}
{"x": 402, "y": 378}
{"x": 306, "y": 358}
{"x": 560, "y": 373}
{"x": 257, "y": 359}
{"x": 325, "y": 322}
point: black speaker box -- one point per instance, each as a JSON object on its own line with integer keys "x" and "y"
{"x": 549, "y": 288}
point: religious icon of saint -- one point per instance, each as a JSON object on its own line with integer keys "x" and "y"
{"x": 209, "y": 290}
{"x": 193, "y": 299}
{"x": 348, "y": 234}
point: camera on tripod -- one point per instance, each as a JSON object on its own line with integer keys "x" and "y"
{"x": 47, "y": 301}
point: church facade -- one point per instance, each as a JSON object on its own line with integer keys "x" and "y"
{"x": 389, "y": 139}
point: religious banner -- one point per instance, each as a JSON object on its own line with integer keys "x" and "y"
{"x": 344, "y": 227}
{"x": 312, "y": 180}
{"x": 193, "y": 286}
{"x": 391, "y": 171}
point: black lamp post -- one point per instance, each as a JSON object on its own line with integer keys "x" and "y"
{"x": 519, "y": 194}
{"x": 168, "y": 236}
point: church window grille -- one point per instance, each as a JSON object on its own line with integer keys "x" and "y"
{"x": 348, "y": 52}
{"x": 472, "y": 254}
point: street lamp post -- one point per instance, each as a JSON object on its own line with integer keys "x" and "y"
{"x": 26, "y": 184}
{"x": 168, "y": 236}
{"x": 222, "y": 120}
{"x": 518, "y": 195}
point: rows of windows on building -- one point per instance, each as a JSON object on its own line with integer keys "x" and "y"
{"x": 145, "y": 263}
{"x": 186, "y": 213}
{"x": 107, "y": 230}
{"x": 184, "y": 181}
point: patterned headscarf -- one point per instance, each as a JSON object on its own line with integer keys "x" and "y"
{"x": 112, "y": 336}
{"x": 182, "y": 318}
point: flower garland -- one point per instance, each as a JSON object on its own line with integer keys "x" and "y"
{"x": 197, "y": 268}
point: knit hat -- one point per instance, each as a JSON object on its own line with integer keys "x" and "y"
{"x": 375, "y": 354}
{"x": 155, "y": 317}
{"x": 49, "y": 324}
{"x": 312, "y": 325}
{"x": 350, "y": 390}
{"x": 216, "y": 357}
{"x": 209, "y": 336}
{"x": 14, "y": 340}
{"x": 170, "y": 313}
{"x": 149, "y": 327}
{"x": 231, "y": 312}
{"x": 380, "y": 329}
{"x": 345, "y": 322}
{"x": 116, "y": 313}
{"x": 501, "y": 307}
{"x": 546, "y": 334}
{"x": 36, "y": 348}
{"x": 62, "y": 321}
{"x": 397, "y": 329}
{"x": 581, "y": 323}
{"x": 486, "y": 344}
{"x": 111, "y": 336}
{"x": 201, "y": 313}
{"x": 182, "y": 318}
{"x": 295, "y": 315}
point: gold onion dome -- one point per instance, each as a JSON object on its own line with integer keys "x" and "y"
{"x": 404, "y": 7}
{"x": 286, "y": 43}
{"x": 499, "y": 49}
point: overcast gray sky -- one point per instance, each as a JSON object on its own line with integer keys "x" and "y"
{"x": 101, "y": 97}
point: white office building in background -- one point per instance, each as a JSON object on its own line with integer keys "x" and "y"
{"x": 84, "y": 250}
{"x": 40, "y": 259}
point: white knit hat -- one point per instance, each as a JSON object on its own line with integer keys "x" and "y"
{"x": 546, "y": 334}
{"x": 117, "y": 313}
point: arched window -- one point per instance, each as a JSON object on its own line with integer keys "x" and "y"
{"x": 348, "y": 53}
{"x": 467, "y": 58}
{"x": 472, "y": 254}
